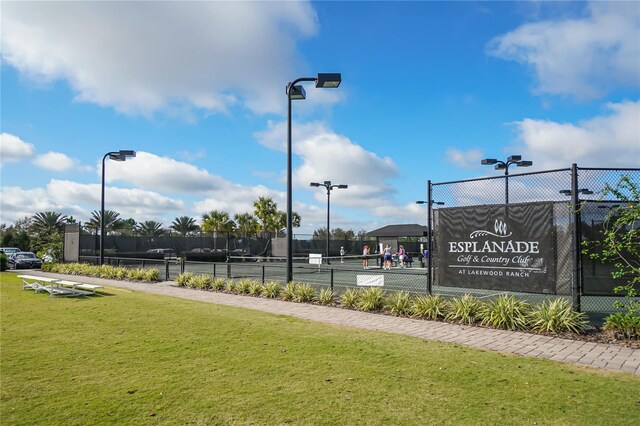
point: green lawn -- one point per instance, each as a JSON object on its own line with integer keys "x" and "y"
{"x": 135, "y": 358}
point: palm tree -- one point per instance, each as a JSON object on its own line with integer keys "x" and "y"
{"x": 217, "y": 221}
{"x": 112, "y": 221}
{"x": 281, "y": 221}
{"x": 47, "y": 223}
{"x": 150, "y": 228}
{"x": 265, "y": 210}
{"x": 184, "y": 225}
{"x": 246, "y": 224}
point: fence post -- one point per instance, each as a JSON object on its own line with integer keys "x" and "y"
{"x": 214, "y": 270}
{"x": 166, "y": 270}
{"x": 228, "y": 270}
{"x": 262, "y": 274}
{"x": 575, "y": 210}
{"x": 430, "y": 237}
{"x": 182, "y": 264}
{"x": 332, "y": 280}
{"x": 143, "y": 263}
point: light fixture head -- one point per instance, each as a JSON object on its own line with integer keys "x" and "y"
{"x": 343, "y": 186}
{"x": 500, "y": 166}
{"x": 421, "y": 202}
{"x": 316, "y": 184}
{"x": 488, "y": 161}
{"x": 438, "y": 203}
{"x": 585, "y": 191}
{"x": 328, "y": 80}
{"x": 524, "y": 163}
{"x": 297, "y": 92}
{"x": 566, "y": 192}
{"x": 327, "y": 183}
{"x": 117, "y": 157}
{"x": 127, "y": 153}
{"x": 514, "y": 158}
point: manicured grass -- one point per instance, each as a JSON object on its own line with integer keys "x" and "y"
{"x": 135, "y": 358}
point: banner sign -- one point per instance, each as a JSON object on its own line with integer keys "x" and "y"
{"x": 370, "y": 280}
{"x": 497, "y": 247}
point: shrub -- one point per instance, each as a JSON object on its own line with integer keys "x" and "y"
{"x": 371, "y": 299}
{"x": 3, "y": 262}
{"x": 399, "y": 303}
{"x": 350, "y": 298}
{"x": 256, "y": 288}
{"x": 289, "y": 291}
{"x": 244, "y": 285}
{"x": 555, "y": 316}
{"x": 137, "y": 274}
{"x": 201, "y": 282}
{"x": 506, "y": 312}
{"x": 218, "y": 284}
{"x": 151, "y": 275}
{"x": 272, "y": 289}
{"x": 183, "y": 279}
{"x": 230, "y": 286}
{"x": 466, "y": 309}
{"x": 624, "y": 325}
{"x": 304, "y": 293}
{"x": 327, "y": 297}
{"x": 429, "y": 307}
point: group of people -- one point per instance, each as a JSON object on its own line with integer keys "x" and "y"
{"x": 388, "y": 257}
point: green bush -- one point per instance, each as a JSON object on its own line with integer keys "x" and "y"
{"x": 230, "y": 286}
{"x": 430, "y": 307}
{"x": 289, "y": 292}
{"x": 506, "y": 312}
{"x": 104, "y": 271}
{"x": 466, "y": 310}
{"x": 371, "y": 299}
{"x": 3, "y": 262}
{"x": 201, "y": 282}
{"x": 555, "y": 316}
{"x": 326, "y": 297}
{"x": 183, "y": 279}
{"x": 218, "y": 284}
{"x": 256, "y": 288}
{"x": 272, "y": 290}
{"x": 625, "y": 325}
{"x": 350, "y": 298}
{"x": 304, "y": 293}
{"x": 399, "y": 303}
{"x": 244, "y": 285}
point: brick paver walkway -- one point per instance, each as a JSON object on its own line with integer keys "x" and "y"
{"x": 611, "y": 357}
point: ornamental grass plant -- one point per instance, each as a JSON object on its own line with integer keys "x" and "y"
{"x": 398, "y": 303}
{"x": 371, "y": 299}
{"x": 350, "y": 298}
{"x": 432, "y": 307}
{"x": 465, "y": 310}
{"x": 272, "y": 290}
{"x": 304, "y": 293}
{"x": 326, "y": 297}
{"x": 506, "y": 312}
{"x": 556, "y": 316}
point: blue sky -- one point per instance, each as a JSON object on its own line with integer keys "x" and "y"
{"x": 198, "y": 90}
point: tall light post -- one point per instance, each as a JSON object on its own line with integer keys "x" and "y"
{"x": 430, "y": 202}
{"x": 327, "y": 184}
{"x": 323, "y": 80}
{"x": 504, "y": 165}
{"x": 121, "y": 155}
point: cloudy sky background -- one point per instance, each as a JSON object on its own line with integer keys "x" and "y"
{"x": 198, "y": 90}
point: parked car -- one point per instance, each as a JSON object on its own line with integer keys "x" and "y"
{"x": 24, "y": 260}
{"x": 169, "y": 254}
{"x": 9, "y": 250}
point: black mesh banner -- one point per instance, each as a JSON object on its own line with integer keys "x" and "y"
{"x": 497, "y": 247}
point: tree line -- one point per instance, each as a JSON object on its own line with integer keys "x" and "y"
{"x": 43, "y": 232}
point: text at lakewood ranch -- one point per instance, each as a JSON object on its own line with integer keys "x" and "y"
{"x": 497, "y": 247}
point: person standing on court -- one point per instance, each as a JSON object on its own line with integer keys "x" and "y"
{"x": 388, "y": 257}
{"x": 365, "y": 259}
{"x": 401, "y": 255}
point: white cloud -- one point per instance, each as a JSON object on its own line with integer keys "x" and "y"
{"x": 584, "y": 58}
{"x": 55, "y": 161}
{"x": 466, "y": 159}
{"x": 141, "y": 57}
{"x": 13, "y": 149}
{"x": 155, "y": 173}
{"x": 79, "y": 200}
{"x": 327, "y": 155}
{"x": 611, "y": 140}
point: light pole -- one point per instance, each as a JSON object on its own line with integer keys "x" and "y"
{"x": 327, "y": 184}
{"x": 504, "y": 165}
{"x": 430, "y": 202}
{"x": 323, "y": 80}
{"x": 121, "y": 155}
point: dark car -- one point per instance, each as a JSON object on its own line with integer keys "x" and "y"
{"x": 24, "y": 260}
